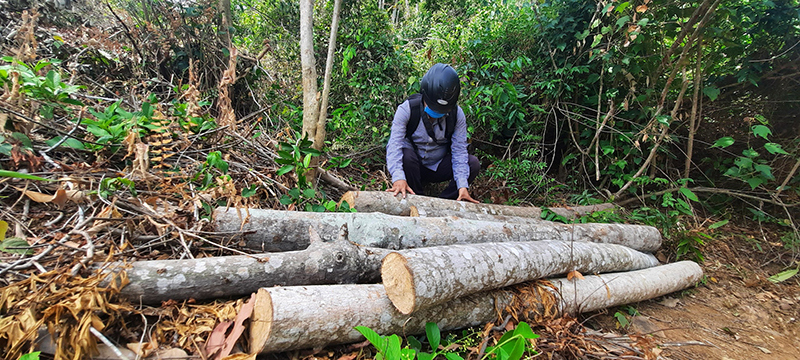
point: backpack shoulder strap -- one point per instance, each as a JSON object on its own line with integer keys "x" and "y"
{"x": 450, "y": 124}
{"x": 415, "y": 104}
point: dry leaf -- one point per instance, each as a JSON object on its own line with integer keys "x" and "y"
{"x": 641, "y": 8}
{"x": 574, "y": 274}
{"x": 238, "y": 326}
{"x": 669, "y": 302}
{"x": 60, "y": 198}
{"x": 217, "y": 338}
{"x": 414, "y": 212}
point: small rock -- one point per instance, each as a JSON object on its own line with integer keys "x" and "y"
{"x": 669, "y": 302}
{"x": 764, "y": 350}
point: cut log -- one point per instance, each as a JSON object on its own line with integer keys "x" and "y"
{"x": 336, "y": 262}
{"x": 272, "y": 230}
{"x": 420, "y": 278}
{"x": 298, "y": 317}
{"x": 384, "y": 202}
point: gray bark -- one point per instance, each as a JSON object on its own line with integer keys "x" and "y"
{"x": 425, "y": 206}
{"x": 288, "y": 318}
{"x": 420, "y": 278}
{"x": 335, "y": 262}
{"x": 271, "y": 230}
{"x": 309, "y": 70}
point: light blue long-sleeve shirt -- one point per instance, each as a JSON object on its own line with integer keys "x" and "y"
{"x": 430, "y": 152}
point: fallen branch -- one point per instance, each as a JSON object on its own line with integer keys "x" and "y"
{"x": 420, "y": 278}
{"x": 271, "y": 230}
{"x": 384, "y": 202}
{"x": 298, "y": 317}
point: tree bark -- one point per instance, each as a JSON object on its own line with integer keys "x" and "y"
{"x": 297, "y": 317}
{"x": 309, "y": 71}
{"x": 334, "y": 262}
{"x": 382, "y": 201}
{"x": 271, "y": 230}
{"x": 420, "y": 278}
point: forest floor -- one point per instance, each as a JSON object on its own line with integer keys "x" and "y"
{"x": 736, "y": 314}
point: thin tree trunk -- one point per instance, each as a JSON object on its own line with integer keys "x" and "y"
{"x": 698, "y": 75}
{"x": 319, "y": 136}
{"x": 227, "y": 22}
{"x": 309, "y": 71}
{"x": 420, "y": 278}
{"x": 425, "y": 206}
{"x": 298, "y": 317}
{"x": 272, "y": 230}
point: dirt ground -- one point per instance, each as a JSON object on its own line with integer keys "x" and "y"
{"x": 736, "y": 314}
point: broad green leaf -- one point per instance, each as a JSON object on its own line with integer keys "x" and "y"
{"x": 424, "y": 356}
{"x": 597, "y": 39}
{"x": 309, "y": 193}
{"x": 765, "y": 170}
{"x": 515, "y": 348}
{"x": 718, "y": 224}
{"x": 413, "y": 342}
{"x": 286, "y": 199}
{"x": 284, "y": 170}
{"x": 15, "y": 245}
{"x": 307, "y": 161}
{"x": 689, "y": 194}
{"x": 783, "y": 275}
{"x": 754, "y": 182}
{"x": 434, "y": 336}
{"x": 376, "y": 340}
{"x": 774, "y": 148}
{"x": 723, "y": 142}
{"x": 525, "y": 330}
{"x": 712, "y": 92}
{"x": 663, "y": 119}
{"x": 392, "y": 343}
{"x": 622, "y": 21}
{"x": 743, "y": 162}
{"x": 762, "y": 131}
{"x": 14, "y": 174}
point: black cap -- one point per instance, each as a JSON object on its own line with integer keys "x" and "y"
{"x": 440, "y": 88}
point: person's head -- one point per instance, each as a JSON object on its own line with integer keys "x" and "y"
{"x": 440, "y": 88}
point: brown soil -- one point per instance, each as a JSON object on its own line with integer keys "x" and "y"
{"x": 736, "y": 314}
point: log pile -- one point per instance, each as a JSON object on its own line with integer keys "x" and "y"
{"x": 457, "y": 266}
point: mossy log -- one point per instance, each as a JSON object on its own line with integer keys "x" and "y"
{"x": 421, "y": 278}
{"x": 272, "y": 230}
{"x": 298, "y": 317}
{"x": 426, "y": 206}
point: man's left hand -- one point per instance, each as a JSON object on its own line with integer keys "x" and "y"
{"x": 463, "y": 194}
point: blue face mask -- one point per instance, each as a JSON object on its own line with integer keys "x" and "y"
{"x": 432, "y": 113}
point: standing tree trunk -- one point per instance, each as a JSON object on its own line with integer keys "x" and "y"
{"x": 309, "y": 71}
{"x": 299, "y": 317}
{"x": 272, "y": 230}
{"x": 319, "y": 136}
{"x": 419, "y": 278}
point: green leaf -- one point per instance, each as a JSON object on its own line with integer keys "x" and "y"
{"x": 783, "y": 275}
{"x": 622, "y": 21}
{"x": 376, "y": 340}
{"x": 284, "y": 170}
{"x": 15, "y": 245}
{"x": 286, "y": 199}
{"x": 712, "y": 92}
{"x": 393, "y": 345}
{"x": 689, "y": 194}
{"x": 424, "y": 356}
{"x": 70, "y": 142}
{"x": 309, "y": 193}
{"x": 515, "y": 348}
{"x": 307, "y": 161}
{"x": 434, "y": 336}
{"x": 663, "y": 119}
{"x": 24, "y": 139}
{"x": 718, "y": 224}
{"x": 30, "y": 356}
{"x": 762, "y": 131}
{"x": 14, "y": 174}
{"x": 249, "y": 191}
{"x": 750, "y": 153}
{"x": 3, "y": 229}
{"x": 597, "y": 39}
{"x": 413, "y": 342}
{"x": 453, "y": 356}
{"x": 774, "y": 148}
{"x": 525, "y": 330}
{"x": 754, "y": 182}
{"x": 765, "y": 170}
{"x": 723, "y": 142}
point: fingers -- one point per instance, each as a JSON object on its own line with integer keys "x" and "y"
{"x": 411, "y": 191}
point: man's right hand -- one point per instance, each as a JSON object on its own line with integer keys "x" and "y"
{"x": 400, "y": 186}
